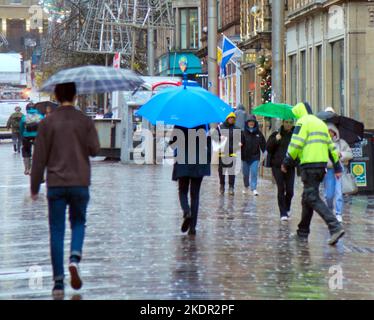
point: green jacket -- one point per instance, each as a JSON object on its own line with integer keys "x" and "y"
{"x": 311, "y": 143}
{"x": 14, "y": 122}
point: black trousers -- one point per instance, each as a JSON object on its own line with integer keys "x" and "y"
{"x": 285, "y": 184}
{"x": 223, "y": 168}
{"x": 194, "y": 185}
{"x": 311, "y": 201}
{"x": 27, "y": 147}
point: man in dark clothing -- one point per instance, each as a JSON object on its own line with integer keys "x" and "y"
{"x": 14, "y": 124}
{"x": 229, "y": 136}
{"x": 66, "y": 139}
{"x": 253, "y": 143}
{"x": 189, "y": 170}
{"x": 277, "y": 146}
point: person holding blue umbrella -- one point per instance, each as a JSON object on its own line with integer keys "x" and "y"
{"x": 192, "y": 149}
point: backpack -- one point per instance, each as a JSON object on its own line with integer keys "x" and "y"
{"x": 32, "y": 122}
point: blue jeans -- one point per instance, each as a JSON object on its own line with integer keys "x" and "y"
{"x": 333, "y": 191}
{"x": 250, "y": 168}
{"x": 58, "y": 199}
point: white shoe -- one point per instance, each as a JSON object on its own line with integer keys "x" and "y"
{"x": 255, "y": 193}
{"x": 75, "y": 277}
{"x": 245, "y": 191}
{"x": 284, "y": 218}
{"x": 339, "y": 218}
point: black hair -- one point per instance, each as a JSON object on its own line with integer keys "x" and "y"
{"x": 65, "y": 92}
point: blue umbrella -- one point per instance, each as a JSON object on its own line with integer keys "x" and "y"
{"x": 185, "y": 106}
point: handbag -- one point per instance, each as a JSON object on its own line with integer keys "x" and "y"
{"x": 349, "y": 185}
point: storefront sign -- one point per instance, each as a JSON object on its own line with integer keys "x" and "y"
{"x": 358, "y": 170}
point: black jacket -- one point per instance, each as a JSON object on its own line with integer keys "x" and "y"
{"x": 253, "y": 142}
{"x": 278, "y": 149}
{"x": 199, "y": 167}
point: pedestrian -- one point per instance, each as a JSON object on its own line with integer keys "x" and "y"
{"x": 13, "y": 123}
{"x": 276, "y": 147}
{"x": 190, "y": 168}
{"x": 29, "y": 130}
{"x": 229, "y": 135}
{"x": 333, "y": 186}
{"x": 311, "y": 144}
{"x": 253, "y": 143}
{"x": 68, "y": 179}
{"x": 241, "y": 116}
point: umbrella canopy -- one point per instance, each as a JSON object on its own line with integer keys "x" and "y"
{"x": 187, "y": 107}
{"x": 95, "y": 79}
{"x": 275, "y": 110}
{"x": 350, "y": 130}
{"x": 42, "y": 106}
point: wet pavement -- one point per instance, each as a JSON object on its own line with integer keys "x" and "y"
{"x": 134, "y": 248}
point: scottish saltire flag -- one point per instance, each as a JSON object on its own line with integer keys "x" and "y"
{"x": 228, "y": 51}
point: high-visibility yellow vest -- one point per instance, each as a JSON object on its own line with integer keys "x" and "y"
{"x": 311, "y": 142}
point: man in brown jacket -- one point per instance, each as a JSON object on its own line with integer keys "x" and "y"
{"x": 66, "y": 139}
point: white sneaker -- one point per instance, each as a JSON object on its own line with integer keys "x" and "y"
{"x": 75, "y": 277}
{"x": 339, "y": 218}
{"x": 284, "y": 218}
{"x": 255, "y": 193}
{"x": 245, "y": 191}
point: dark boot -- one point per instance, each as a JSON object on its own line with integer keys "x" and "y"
{"x": 222, "y": 189}
{"x": 186, "y": 222}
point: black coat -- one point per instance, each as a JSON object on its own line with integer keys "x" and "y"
{"x": 199, "y": 167}
{"x": 278, "y": 149}
{"x": 253, "y": 142}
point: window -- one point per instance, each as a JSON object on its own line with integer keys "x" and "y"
{"x": 293, "y": 79}
{"x": 303, "y": 75}
{"x": 189, "y": 26}
{"x": 338, "y": 76}
{"x": 319, "y": 77}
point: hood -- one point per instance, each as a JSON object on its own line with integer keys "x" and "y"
{"x": 332, "y": 127}
{"x": 251, "y": 117}
{"x": 241, "y": 107}
{"x": 231, "y": 115}
{"x": 33, "y": 111}
{"x": 302, "y": 109}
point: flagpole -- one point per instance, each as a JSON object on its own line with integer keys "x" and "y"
{"x": 212, "y": 46}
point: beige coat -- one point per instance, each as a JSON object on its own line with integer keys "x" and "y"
{"x": 341, "y": 146}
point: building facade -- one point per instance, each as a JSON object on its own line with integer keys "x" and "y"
{"x": 330, "y": 56}
{"x": 182, "y": 43}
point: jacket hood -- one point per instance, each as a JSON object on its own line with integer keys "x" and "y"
{"x": 302, "y": 109}
{"x": 241, "y": 107}
{"x": 332, "y": 127}
{"x": 231, "y": 115}
{"x": 251, "y": 117}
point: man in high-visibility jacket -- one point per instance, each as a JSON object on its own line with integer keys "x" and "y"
{"x": 312, "y": 147}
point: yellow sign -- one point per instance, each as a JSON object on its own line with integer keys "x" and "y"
{"x": 358, "y": 170}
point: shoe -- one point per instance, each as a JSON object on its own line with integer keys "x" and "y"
{"x": 75, "y": 278}
{"x": 58, "y": 291}
{"x": 245, "y": 191}
{"x": 339, "y": 218}
{"x": 255, "y": 193}
{"x": 192, "y": 232}
{"x": 186, "y": 222}
{"x": 295, "y": 236}
{"x": 222, "y": 190}
{"x": 231, "y": 191}
{"x": 335, "y": 237}
{"x": 284, "y": 218}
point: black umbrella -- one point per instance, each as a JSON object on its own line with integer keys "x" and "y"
{"x": 42, "y": 106}
{"x": 350, "y": 130}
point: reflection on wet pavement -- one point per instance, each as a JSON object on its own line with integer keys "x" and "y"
{"x": 134, "y": 248}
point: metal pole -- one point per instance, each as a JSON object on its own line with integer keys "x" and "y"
{"x": 212, "y": 46}
{"x": 278, "y": 48}
{"x": 151, "y": 49}
{"x": 106, "y": 94}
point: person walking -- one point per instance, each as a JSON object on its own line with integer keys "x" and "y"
{"x": 312, "y": 145}
{"x": 253, "y": 143}
{"x": 190, "y": 169}
{"x": 29, "y": 130}
{"x": 13, "y": 124}
{"x": 228, "y": 133}
{"x": 68, "y": 179}
{"x": 276, "y": 147}
{"x": 241, "y": 117}
{"x": 333, "y": 186}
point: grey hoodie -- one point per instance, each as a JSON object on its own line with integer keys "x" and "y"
{"x": 341, "y": 146}
{"x": 241, "y": 117}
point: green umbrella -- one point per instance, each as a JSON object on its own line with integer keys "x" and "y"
{"x": 275, "y": 110}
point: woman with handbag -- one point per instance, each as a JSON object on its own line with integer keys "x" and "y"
{"x": 276, "y": 147}
{"x": 333, "y": 186}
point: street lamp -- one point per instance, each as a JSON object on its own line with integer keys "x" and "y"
{"x": 256, "y": 13}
